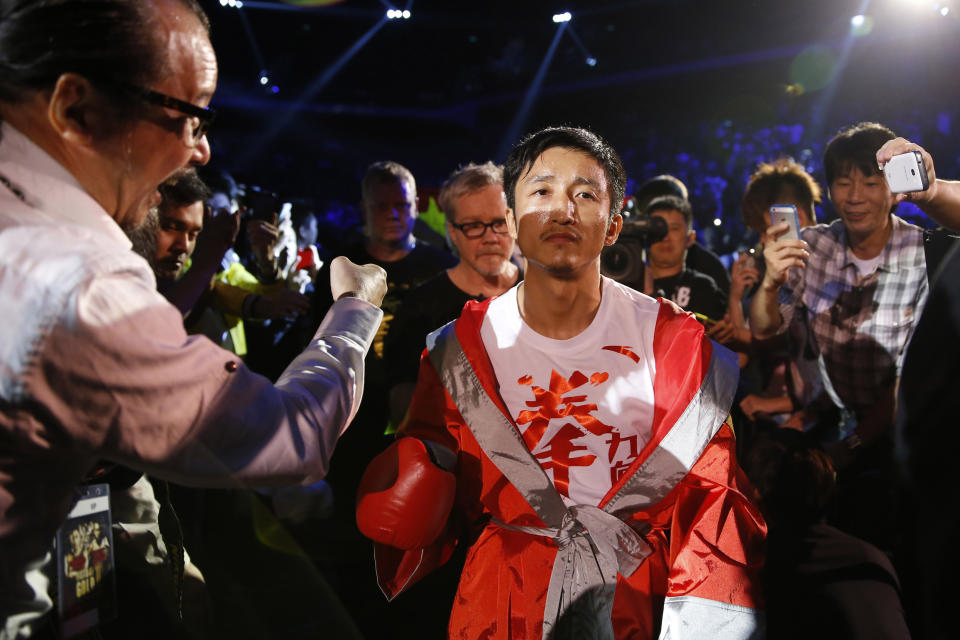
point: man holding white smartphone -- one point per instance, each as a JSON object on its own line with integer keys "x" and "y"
{"x": 941, "y": 199}
{"x": 858, "y": 284}
{"x": 926, "y": 414}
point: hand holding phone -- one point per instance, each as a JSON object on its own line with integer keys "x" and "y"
{"x": 262, "y": 205}
{"x": 779, "y": 256}
{"x": 786, "y": 213}
{"x": 906, "y": 173}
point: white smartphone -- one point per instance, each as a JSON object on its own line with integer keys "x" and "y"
{"x": 906, "y": 173}
{"x": 786, "y": 213}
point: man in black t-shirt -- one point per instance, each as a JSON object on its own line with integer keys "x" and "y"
{"x": 475, "y": 206}
{"x": 698, "y": 258}
{"x": 390, "y": 210}
{"x": 693, "y": 291}
{"x": 389, "y": 205}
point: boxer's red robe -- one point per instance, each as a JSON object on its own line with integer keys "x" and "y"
{"x": 707, "y": 535}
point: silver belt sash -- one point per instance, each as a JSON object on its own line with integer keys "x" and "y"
{"x": 593, "y": 544}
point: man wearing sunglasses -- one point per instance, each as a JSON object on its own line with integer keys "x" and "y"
{"x": 94, "y": 363}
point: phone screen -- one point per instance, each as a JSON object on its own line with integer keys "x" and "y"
{"x": 786, "y": 213}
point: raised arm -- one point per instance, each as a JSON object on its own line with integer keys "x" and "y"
{"x": 145, "y": 394}
{"x": 780, "y": 255}
{"x": 942, "y": 200}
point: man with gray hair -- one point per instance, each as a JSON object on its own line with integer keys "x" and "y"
{"x": 94, "y": 363}
{"x": 476, "y": 208}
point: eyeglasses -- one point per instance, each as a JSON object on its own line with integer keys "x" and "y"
{"x": 477, "y": 229}
{"x": 204, "y": 115}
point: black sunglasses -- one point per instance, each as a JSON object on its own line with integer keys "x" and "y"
{"x": 204, "y": 115}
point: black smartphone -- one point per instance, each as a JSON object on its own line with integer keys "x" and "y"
{"x": 262, "y": 205}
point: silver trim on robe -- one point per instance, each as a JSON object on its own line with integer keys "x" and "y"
{"x": 692, "y": 618}
{"x": 594, "y": 544}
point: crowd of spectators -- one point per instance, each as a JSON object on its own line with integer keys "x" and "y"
{"x": 782, "y": 386}
{"x": 821, "y": 321}
{"x": 715, "y": 161}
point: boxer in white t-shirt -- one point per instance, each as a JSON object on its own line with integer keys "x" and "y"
{"x": 576, "y": 433}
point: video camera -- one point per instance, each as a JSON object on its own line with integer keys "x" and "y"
{"x": 624, "y": 260}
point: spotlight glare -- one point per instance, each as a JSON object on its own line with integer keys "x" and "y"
{"x": 275, "y": 89}
{"x": 861, "y": 25}
{"x": 391, "y": 14}
{"x": 562, "y": 17}
{"x": 406, "y": 14}
{"x": 717, "y": 222}
{"x": 591, "y": 61}
{"x": 223, "y": 3}
{"x": 264, "y": 80}
{"x": 239, "y": 4}
{"x": 944, "y": 11}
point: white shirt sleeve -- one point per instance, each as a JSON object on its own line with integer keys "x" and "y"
{"x": 126, "y": 383}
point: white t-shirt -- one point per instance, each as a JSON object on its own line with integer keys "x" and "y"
{"x": 866, "y": 267}
{"x": 583, "y": 405}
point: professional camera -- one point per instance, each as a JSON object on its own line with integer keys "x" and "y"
{"x": 624, "y": 260}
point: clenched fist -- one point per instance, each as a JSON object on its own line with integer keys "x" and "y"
{"x": 367, "y": 282}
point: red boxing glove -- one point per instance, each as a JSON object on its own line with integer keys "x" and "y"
{"x": 404, "y": 498}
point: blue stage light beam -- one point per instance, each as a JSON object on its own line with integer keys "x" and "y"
{"x": 587, "y": 57}
{"x": 820, "y": 107}
{"x": 520, "y": 120}
{"x": 254, "y": 47}
{"x": 287, "y": 116}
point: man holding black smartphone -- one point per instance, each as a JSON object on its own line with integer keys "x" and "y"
{"x": 859, "y": 285}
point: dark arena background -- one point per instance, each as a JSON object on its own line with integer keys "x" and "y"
{"x": 311, "y": 92}
{"x": 105, "y": 356}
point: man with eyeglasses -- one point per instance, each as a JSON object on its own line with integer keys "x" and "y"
{"x": 473, "y": 201}
{"x": 94, "y": 363}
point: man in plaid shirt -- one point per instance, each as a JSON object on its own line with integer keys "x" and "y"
{"x": 859, "y": 288}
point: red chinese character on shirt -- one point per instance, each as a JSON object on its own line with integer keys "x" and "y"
{"x": 618, "y": 470}
{"x": 614, "y": 442}
{"x": 620, "y": 467}
{"x": 557, "y": 456}
{"x": 552, "y": 404}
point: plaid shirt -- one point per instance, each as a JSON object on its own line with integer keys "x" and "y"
{"x": 862, "y": 327}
